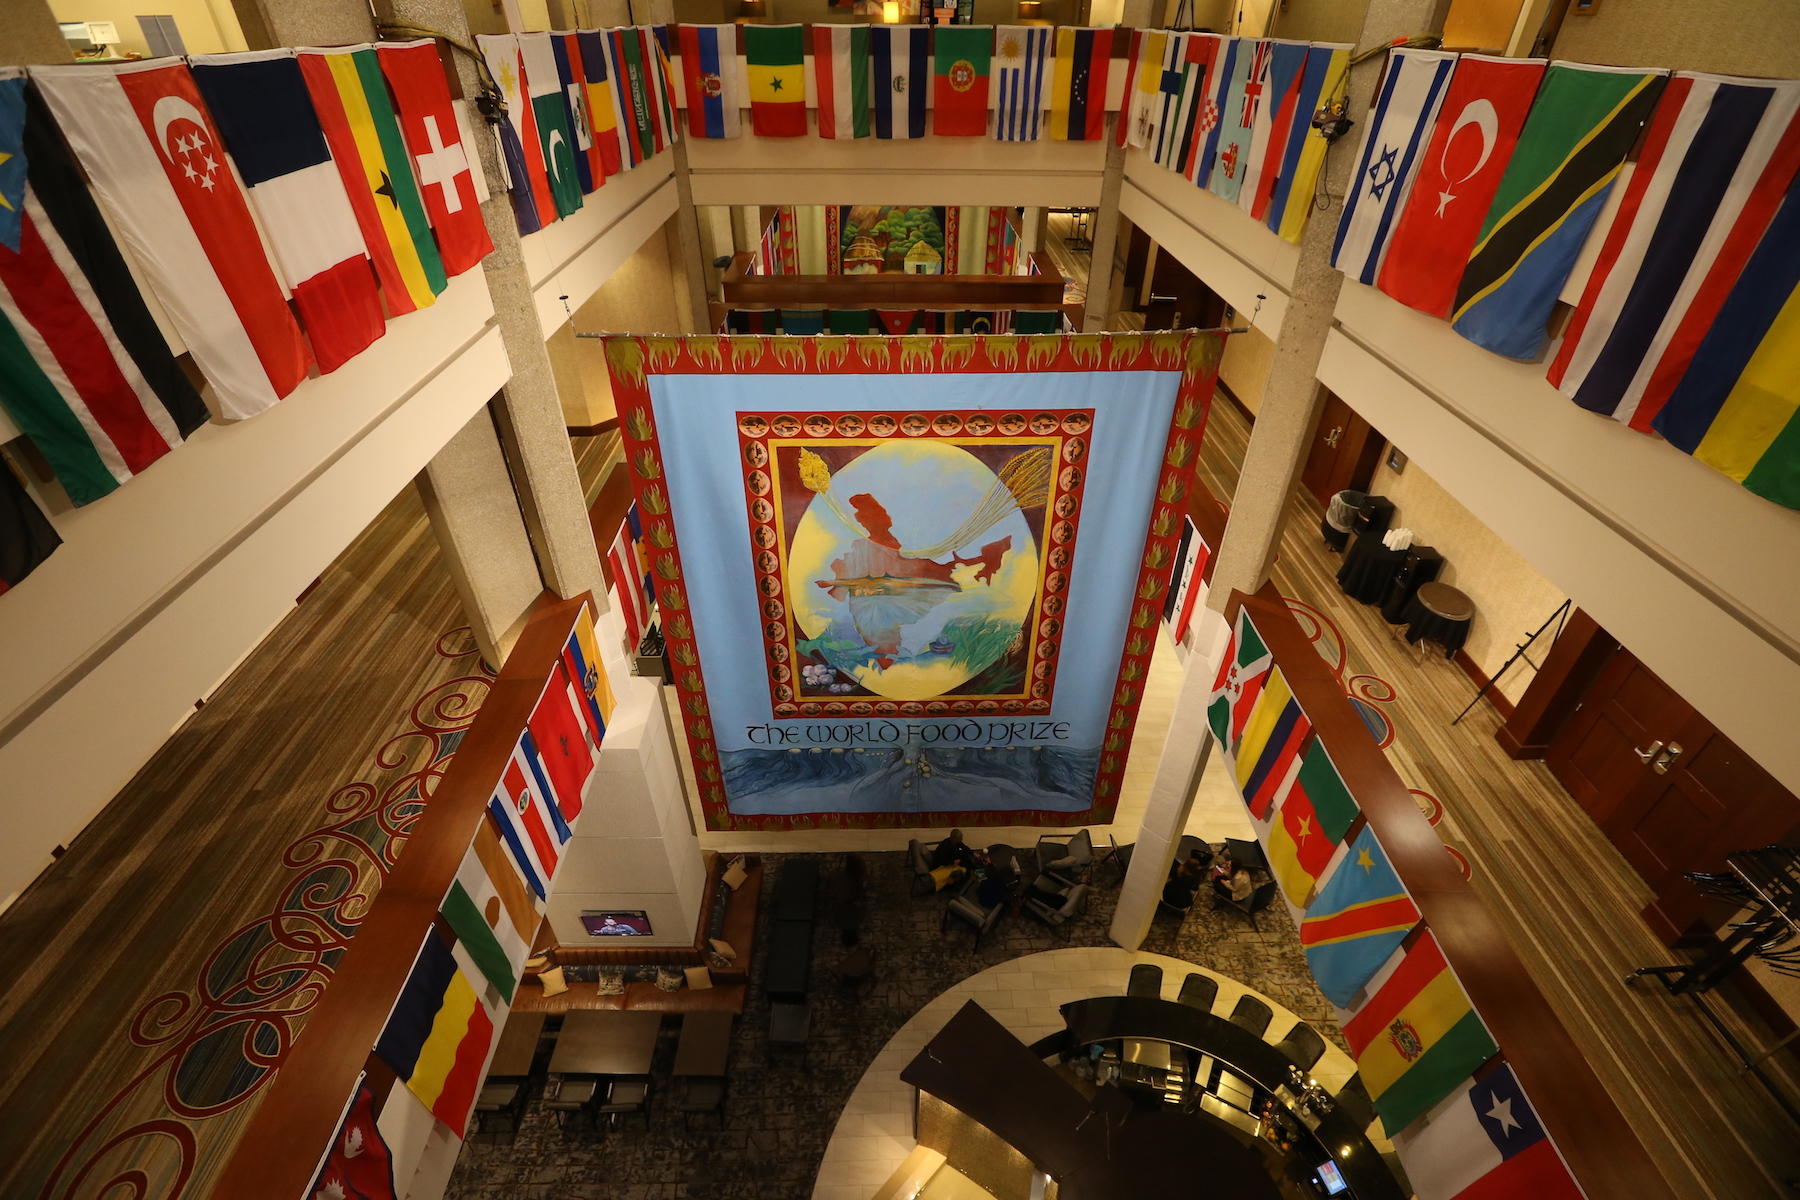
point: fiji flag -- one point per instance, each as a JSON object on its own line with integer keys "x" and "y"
{"x": 1358, "y": 920}
{"x": 901, "y": 58}
{"x": 1484, "y": 1142}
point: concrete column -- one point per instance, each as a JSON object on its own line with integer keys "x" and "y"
{"x": 1106, "y": 236}
{"x": 746, "y": 230}
{"x": 28, "y": 35}
{"x": 1252, "y": 535}
{"x": 468, "y": 495}
{"x": 1031, "y": 229}
{"x": 268, "y": 24}
{"x": 691, "y": 257}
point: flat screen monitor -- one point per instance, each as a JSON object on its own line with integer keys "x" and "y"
{"x": 619, "y": 923}
{"x": 1331, "y": 1180}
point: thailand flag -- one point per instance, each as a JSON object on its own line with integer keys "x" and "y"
{"x": 901, "y": 59}
{"x": 710, "y": 76}
{"x": 266, "y": 116}
{"x": 1484, "y": 1142}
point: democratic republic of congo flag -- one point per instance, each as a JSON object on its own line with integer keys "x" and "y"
{"x": 1358, "y": 920}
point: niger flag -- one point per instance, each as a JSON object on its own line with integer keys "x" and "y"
{"x": 776, "y": 56}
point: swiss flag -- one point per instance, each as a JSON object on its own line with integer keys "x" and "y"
{"x": 445, "y": 169}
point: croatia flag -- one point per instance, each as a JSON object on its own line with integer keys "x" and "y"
{"x": 143, "y": 135}
{"x": 260, "y": 102}
{"x": 901, "y": 58}
{"x": 1484, "y": 1142}
{"x": 709, "y": 73}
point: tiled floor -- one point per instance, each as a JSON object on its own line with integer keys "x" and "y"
{"x": 781, "y": 1111}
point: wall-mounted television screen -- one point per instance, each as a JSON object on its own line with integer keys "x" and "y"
{"x": 1331, "y": 1180}
{"x": 621, "y": 923}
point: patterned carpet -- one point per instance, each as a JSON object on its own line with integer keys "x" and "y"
{"x": 153, "y": 978}
{"x": 780, "y": 1114}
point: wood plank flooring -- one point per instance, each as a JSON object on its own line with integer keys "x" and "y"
{"x": 149, "y": 977}
{"x": 1567, "y": 898}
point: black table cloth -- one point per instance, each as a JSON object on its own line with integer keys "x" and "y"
{"x": 1422, "y": 623}
{"x": 1369, "y": 569}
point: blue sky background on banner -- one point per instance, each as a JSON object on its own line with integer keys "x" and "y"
{"x": 697, "y": 415}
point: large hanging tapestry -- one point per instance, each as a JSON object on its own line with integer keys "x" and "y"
{"x": 911, "y": 580}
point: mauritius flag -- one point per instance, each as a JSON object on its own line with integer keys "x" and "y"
{"x": 1316, "y": 812}
{"x": 959, "y": 84}
{"x": 1242, "y": 673}
{"x": 776, "y": 57}
{"x": 438, "y": 1036}
{"x": 1417, "y": 1037}
{"x": 1484, "y": 1142}
{"x": 1360, "y": 917}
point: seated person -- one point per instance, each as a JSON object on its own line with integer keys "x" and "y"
{"x": 1234, "y": 882}
{"x": 1184, "y": 881}
{"x": 951, "y": 852}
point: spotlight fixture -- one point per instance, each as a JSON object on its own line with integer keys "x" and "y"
{"x": 1030, "y": 9}
{"x": 890, "y": 12}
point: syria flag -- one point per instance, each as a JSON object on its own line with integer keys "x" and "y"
{"x": 1477, "y": 128}
{"x": 445, "y": 172}
{"x": 142, "y": 133}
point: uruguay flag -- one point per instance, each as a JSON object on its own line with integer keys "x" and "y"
{"x": 1484, "y": 1142}
{"x": 901, "y": 59}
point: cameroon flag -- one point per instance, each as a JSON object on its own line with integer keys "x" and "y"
{"x": 776, "y": 56}
{"x": 1418, "y": 1037}
{"x": 1316, "y": 812}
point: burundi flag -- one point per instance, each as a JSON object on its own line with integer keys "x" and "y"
{"x": 495, "y": 937}
{"x": 1242, "y": 672}
{"x": 1417, "y": 1037}
{"x": 959, "y": 85}
{"x": 1484, "y": 1142}
{"x": 543, "y": 84}
{"x": 1585, "y": 121}
{"x": 776, "y": 58}
{"x": 1316, "y": 811}
{"x": 1358, "y": 920}
{"x": 1269, "y": 750}
{"x": 438, "y": 1036}
{"x": 841, "y": 72}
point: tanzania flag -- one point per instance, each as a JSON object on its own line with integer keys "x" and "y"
{"x": 1735, "y": 409}
{"x": 962, "y": 58}
{"x": 1242, "y": 673}
{"x": 1316, "y": 812}
{"x": 351, "y": 98}
{"x": 1270, "y": 747}
{"x": 543, "y": 84}
{"x": 1417, "y": 1037}
{"x": 1358, "y": 920}
{"x": 438, "y": 1036}
{"x": 1078, "y": 84}
{"x": 776, "y": 57}
{"x": 1585, "y": 120}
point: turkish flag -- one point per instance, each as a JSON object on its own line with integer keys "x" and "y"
{"x": 1477, "y": 128}
{"x": 358, "y": 1166}
{"x": 445, "y": 168}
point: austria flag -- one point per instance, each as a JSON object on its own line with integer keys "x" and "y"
{"x": 263, "y": 110}
{"x": 144, "y": 137}
{"x": 1484, "y": 1143}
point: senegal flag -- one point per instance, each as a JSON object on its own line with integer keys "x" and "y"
{"x": 962, "y": 55}
{"x": 1417, "y": 1037}
{"x": 776, "y": 56}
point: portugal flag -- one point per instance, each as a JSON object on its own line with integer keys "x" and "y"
{"x": 959, "y": 85}
{"x": 776, "y": 56}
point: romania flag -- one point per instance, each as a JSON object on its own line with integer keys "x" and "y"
{"x": 1417, "y": 1037}
{"x": 1078, "y": 84}
{"x": 776, "y": 57}
{"x": 1316, "y": 812}
{"x": 438, "y": 1035}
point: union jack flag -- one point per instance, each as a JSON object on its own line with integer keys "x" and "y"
{"x": 1256, "y": 81}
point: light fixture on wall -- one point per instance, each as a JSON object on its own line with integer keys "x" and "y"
{"x": 1030, "y": 9}
{"x": 890, "y": 12}
{"x": 751, "y": 8}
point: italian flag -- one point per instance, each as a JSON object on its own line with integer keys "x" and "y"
{"x": 959, "y": 85}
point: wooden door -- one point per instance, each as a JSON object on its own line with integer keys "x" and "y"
{"x": 1343, "y": 454}
{"x": 1602, "y": 753}
{"x": 1178, "y": 299}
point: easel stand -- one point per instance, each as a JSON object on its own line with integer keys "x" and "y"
{"x": 1556, "y": 618}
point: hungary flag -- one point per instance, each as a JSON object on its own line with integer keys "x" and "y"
{"x": 1417, "y": 1037}
{"x": 959, "y": 85}
{"x": 776, "y": 56}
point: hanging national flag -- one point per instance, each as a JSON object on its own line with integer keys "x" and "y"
{"x": 543, "y": 85}
{"x": 142, "y": 133}
{"x": 628, "y": 592}
{"x": 897, "y": 322}
{"x": 1393, "y": 144}
{"x": 1142, "y": 111}
{"x": 1274, "y": 122}
{"x": 485, "y": 929}
{"x": 1719, "y": 155}
{"x": 1239, "y": 101}
{"x": 12, "y": 157}
{"x": 961, "y": 59}
{"x": 84, "y": 371}
{"x": 352, "y": 102}
{"x": 533, "y": 205}
{"x": 662, "y": 84}
{"x": 1223, "y": 77}
{"x": 564, "y": 746}
{"x": 900, "y": 60}
{"x": 439, "y": 1033}
{"x": 1269, "y": 749}
{"x": 841, "y": 75}
{"x": 1585, "y": 121}
{"x": 445, "y": 171}
{"x": 582, "y": 657}
{"x": 26, "y": 536}
{"x": 268, "y": 124}
{"x": 775, "y": 58}
{"x": 709, "y": 73}
{"x": 634, "y": 99}
{"x": 527, "y": 820}
{"x": 1324, "y": 81}
{"x": 359, "y": 1165}
{"x": 602, "y": 102}
{"x": 1484, "y": 1142}
{"x": 1242, "y": 672}
{"x": 1316, "y": 811}
{"x": 1078, "y": 84}
{"x": 1477, "y": 127}
{"x": 1417, "y": 1037}
{"x": 1021, "y": 54}
{"x": 1179, "y": 76}
{"x": 1357, "y": 921}
{"x": 1201, "y": 55}
{"x": 567, "y": 52}
{"x": 1735, "y": 409}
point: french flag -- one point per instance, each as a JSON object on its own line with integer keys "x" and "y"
{"x": 266, "y": 117}
{"x": 1484, "y": 1142}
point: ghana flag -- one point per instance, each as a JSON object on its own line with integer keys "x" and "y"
{"x": 351, "y": 98}
{"x": 1316, "y": 811}
{"x": 1417, "y": 1037}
